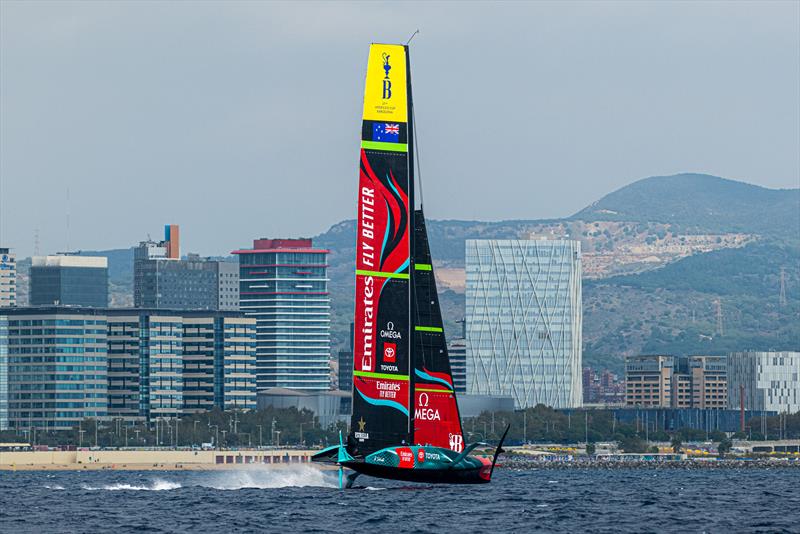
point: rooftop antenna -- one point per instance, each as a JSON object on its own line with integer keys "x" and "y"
{"x": 412, "y": 36}
{"x": 36, "y": 241}
{"x": 67, "y": 217}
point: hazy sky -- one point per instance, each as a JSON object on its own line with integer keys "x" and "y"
{"x": 241, "y": 120}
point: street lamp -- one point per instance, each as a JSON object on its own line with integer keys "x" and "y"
{"x": 260, "y": 443}
{"x": 216, "y": 433}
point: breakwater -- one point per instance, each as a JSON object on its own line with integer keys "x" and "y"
{"x": 524, "y": 462}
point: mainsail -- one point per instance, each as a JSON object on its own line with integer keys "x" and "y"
{"x": 436, "y": 418}
{"x": 382, "y": 382}
{"x": 402, "y": 385}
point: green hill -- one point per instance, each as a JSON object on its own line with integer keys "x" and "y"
{"x": 702, "y": 203}
{"x": 674, "y": 310}
{"x": 671, "y": 309}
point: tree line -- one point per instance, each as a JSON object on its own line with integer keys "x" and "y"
{"x": 292, "y": 427}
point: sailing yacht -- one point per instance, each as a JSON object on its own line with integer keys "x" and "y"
{"x": 405, "y": 423}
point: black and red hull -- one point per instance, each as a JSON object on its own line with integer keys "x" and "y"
{"x": 478, "y": 475}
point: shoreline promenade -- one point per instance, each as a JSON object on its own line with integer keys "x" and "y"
{"x": 151, "y": 459}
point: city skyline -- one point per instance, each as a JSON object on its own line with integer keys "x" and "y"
{"x": 176, "y": 115}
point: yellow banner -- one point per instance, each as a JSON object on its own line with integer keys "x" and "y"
{"x": 385, "y": 97}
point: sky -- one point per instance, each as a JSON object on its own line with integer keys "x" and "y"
{"x": 242, "y": 120}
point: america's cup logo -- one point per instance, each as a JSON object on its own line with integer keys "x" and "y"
{"x": 456, "y": 442}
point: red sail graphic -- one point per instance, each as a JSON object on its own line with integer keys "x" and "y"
{"x": 436, "y": 418}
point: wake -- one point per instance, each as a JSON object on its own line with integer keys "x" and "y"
{"x": 156, "y": 485}
{"x": 267, "y": 478}
{"x": 284, "y": 477}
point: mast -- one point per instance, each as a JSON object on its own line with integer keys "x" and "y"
{"x": 411, "y": 232}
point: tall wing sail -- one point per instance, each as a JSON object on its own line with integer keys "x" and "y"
{"x": 381, "y": 362}
{"x": 436, "y": 417}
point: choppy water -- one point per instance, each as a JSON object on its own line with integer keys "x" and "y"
{"x": 303, "y": 498}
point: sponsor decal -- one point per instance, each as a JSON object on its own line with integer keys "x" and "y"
{"x": 360, "y": 434}
{"x": 385, "y": 90}
{"x": 390, "y": 332}
{"x": 368, "y": 313}
{"x": 456, "y": 442}
{"x": 422, "y": 412}
{"x": 406, "y": 457}
{"x": 388, "y": 389}
{"x": 390, "y": 352}
{"x": 427, "y": 414}
{"x": 387, "y": 83}
{"x": 421, "y": 455}
{"x": 383, "y": 392}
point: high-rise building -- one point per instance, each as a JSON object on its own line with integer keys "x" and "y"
{"x": 709, "y": 381}
{"x": 219, "y": 362}
{"x": 3, "y": 371}
{"x": 69, "y": 280}
{"x": 8, "y": 278}
{"x": 284, "y": 285}
{"x": 769, "y": 380}
{"x": 457, "y": 351}
{"x": 56, "y": 366}
{"x": 164, "y": 363}
{"x": 524, "y": 321}
{"x": 648, "y": 381}
{"x": 660, "y": 381}
{"x": 345, "y": 365}
{"x": 162, "y": 280}
{"x": 59, "y": 365}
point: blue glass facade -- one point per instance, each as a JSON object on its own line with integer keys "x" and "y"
{"x": 66, "y": 284}
{"x": 57, "y": 368}
{"x": 524, "y": 321}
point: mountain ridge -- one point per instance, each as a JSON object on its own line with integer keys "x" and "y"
{"x": 667, "y": 307}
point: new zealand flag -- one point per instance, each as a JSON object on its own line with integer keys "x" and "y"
{"x": 385, "y": 132}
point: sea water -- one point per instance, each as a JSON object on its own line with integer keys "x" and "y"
{"x": 305, "y": 499}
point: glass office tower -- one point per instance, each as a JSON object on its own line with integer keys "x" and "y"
{"x": 283, "y": 283}
{"x": 56, "y": 366}
{"x": 769, "y": 380}
{"x": 69, "y": 281}
{"x": 523, "y": 304}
